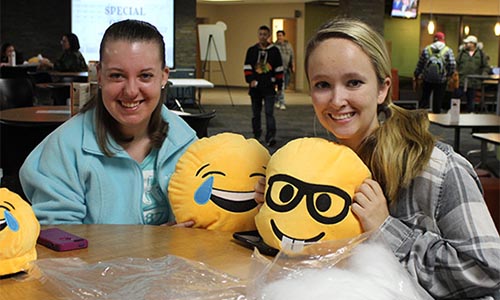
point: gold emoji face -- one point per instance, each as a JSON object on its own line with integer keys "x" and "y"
{"x": 214, "y": 181}
{"x": 19, "y": 230}
{"x": 309, "y": 190}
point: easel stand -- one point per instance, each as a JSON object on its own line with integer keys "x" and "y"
{"x": 211, "y": 42}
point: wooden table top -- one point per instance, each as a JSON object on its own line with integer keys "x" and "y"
{"x": 36, "y": 114}
{"x": 106, "y": 242}
{"x": 492, "y": 137}
{"x": 466, "y": 120}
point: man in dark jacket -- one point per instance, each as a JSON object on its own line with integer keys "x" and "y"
{"x": 264, "y": 73}
{"x": 471, "y": 60}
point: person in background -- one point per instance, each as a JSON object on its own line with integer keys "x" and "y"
{"x": 263, "y": 71}
{"x": 5, "y": 52}
{"x": 71, "y": 60}
{"x": 424, "y": 198}
{"x": 111, "y": 163}
{"x": 287, "y": 58}
{"x": 435, "y": 67}
{"x": 471, "y": 60}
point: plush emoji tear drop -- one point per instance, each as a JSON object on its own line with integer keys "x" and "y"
{"x": 310, "y": 183}
{"x": 213, "y": 183}
{"x": 19, "y": 230}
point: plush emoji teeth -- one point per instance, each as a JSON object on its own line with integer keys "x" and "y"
{"x": 234, "y": 196}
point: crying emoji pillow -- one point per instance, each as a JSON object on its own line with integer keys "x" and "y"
{"x": 213, "y": 183}
{"x": 19, "y": 230}
{"x": 310, "y": 183}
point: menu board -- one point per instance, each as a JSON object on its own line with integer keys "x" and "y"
{"x": 90, "y": 18}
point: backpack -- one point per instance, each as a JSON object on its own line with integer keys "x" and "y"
{"x": 435, "y": 67}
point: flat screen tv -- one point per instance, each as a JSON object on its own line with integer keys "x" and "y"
{"x": 90, "y": 18}
{"x": 404, "y": 9}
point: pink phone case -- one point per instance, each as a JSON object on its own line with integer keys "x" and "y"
{"x": 60, "y": 240}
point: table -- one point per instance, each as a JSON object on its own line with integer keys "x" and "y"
{"x": 488, "y": 122}
{"x": 69, "y": 76}
{"x": 486, "y": 79}
{"x": 36, "y": 114}
{"x": 60, "y": 91}
{"x": 491, "y": 137}
{"x": 197, "y": 83}
{"x": 107, "y": 242}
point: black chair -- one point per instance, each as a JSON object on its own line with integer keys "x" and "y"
{"x": 199, "y": 122}
{"x": 20, "y": 71}
{"x": 16, "y": 143}
{"x": 16, "y": 92}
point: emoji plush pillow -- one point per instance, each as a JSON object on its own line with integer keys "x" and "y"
{"x": 309, "y": 190}
{"x": 213, "y": 183}
{"x": 19, "y": 231}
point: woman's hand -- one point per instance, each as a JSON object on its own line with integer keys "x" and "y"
{"x": 188, "y": 224}
{"x": 260, "y": 188}
{"x": 370, "y": 205}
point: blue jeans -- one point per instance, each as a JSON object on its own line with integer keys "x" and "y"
{"x": 269, "y": 112}
{"x": 286, "y": 81}
{"x": 469, "y": 94}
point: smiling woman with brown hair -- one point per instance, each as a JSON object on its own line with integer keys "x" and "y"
{"x": 112, "y": 162}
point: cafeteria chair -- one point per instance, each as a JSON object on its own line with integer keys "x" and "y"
{"x": 491, "y": 193}
{"x": 19, "y": 71}
{"x": 17, "y": 141}
{"x": 199, "y": 122}
{"x": 16, "y": 92}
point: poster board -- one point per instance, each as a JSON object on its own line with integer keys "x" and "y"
{"x": 217, "y": 44}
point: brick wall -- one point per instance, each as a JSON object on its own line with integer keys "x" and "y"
{"x": 35, "y": 26}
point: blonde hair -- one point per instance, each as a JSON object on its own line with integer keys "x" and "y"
{"x": 401, "y": 147}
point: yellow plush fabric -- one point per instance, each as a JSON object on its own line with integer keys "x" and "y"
{"x": 213, "y": 183}
{"x": 19, "y": 230}
{"x": 310, "y": 183}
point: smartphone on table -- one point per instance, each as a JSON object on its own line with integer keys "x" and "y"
{"x": 60, "y": 240}
{"x": 252, "y": 239}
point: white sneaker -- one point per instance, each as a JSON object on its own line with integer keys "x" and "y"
{"x": 282, "y": 107}
{"x": 277, "y": 105}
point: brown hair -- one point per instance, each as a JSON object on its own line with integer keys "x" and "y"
{"x": 131, "y": 31}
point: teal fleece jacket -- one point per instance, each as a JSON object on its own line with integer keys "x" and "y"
{"x": 69, "y": 180}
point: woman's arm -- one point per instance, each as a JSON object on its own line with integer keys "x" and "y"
{"x": 445, "y": 236}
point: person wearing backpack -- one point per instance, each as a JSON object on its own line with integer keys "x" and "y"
{"x": 471, "y": 60}
{"x": 435, "y": 66}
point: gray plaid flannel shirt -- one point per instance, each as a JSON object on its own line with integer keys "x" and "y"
{"x": 442, "y": 232}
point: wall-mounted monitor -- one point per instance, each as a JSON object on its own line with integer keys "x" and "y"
{"x": 404, "y": 9}
{"x": 90, "y": 18}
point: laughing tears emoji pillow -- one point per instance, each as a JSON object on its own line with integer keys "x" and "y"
{"x": 19, "y": 231}
{"x": 213, "y": 183}
{"x": 310, "y": 183}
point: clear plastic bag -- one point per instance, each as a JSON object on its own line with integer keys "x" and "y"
{"x": 169, "y": 277}
{"x": 361, "y": 268}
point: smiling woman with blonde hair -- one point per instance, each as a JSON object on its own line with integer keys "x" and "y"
{"x": 424, "y": 198}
